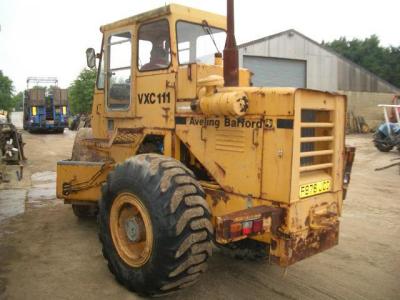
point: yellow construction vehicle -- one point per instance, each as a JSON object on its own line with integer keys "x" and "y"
{"x": 184, "y": 152}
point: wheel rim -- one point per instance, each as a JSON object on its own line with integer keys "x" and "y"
{"x": 131, "y": 229}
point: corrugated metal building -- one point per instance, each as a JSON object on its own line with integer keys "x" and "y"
{"x": 290, "y": 58}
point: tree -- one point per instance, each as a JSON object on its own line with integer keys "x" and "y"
{"x": 6, "y": 92}
{"x": 81, "y": 91}
{"x": 382, "y": 61}
{"x": 18, "y": 101}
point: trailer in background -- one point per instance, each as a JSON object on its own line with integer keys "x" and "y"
{"x": 45, "y": 110}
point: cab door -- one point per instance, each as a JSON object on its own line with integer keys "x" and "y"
{"x": 155, "y": 96}
{"x": 119, "y": 104}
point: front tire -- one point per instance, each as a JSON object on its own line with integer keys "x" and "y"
{"x": 155, "y": 225}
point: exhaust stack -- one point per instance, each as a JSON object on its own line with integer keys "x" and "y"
{"x": 231, "y": 60}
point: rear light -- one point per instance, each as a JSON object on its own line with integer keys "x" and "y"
{"x": 251, "y": 221}
{"x": 247, "y": 227}
{"x": 236, "y": 230}
{"x": 257, "y": 226}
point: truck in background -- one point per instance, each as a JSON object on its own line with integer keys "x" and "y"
{"x": 45, "y": 110}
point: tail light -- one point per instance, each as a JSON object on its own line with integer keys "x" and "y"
{"x": 241, "y": 224}
{"x": 235, "y": 230}
{"x": 247, "y": 227}
{"x": 258, "y": 226}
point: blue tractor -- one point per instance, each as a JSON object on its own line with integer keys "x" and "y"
{"x": 45, "y": 110}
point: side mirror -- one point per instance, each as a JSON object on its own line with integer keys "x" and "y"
{"x": 90, "y": 58}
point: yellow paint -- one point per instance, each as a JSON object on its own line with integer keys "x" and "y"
{"x": 224, "y": 104}
{"x": 75, "y": 173}
{"x": 34, "y": 112}
{"x": 253, "y": 160}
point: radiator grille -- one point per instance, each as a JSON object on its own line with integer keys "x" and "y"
{"x": 316, "y": 149}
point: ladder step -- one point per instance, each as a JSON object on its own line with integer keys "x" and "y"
{"x": 316, "y": 139}
{"x": 316, "y": 125}
{"x": 316, "y": 167}
{"x": 316, "y": 153}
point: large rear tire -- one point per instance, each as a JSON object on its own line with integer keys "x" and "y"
{"x": 154, "y": 225}
{"x": 80, "y": 150}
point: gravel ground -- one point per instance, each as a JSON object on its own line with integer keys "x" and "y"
{"x": 47, "y": 253}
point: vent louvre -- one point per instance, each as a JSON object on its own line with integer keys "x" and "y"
{"x": 230, "y": 140}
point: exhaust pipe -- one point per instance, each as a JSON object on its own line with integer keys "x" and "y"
{"x": 231, "y": 60}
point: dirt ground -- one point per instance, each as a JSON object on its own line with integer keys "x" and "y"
{"x": 47, "y": 253}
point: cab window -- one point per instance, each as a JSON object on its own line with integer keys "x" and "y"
{"x": 154, "y": 46}
{"x": 119, "y": 70}
{"x": 197, "y": 43}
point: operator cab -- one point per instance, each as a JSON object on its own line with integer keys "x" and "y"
{"x": 198, "y": 36}
{"x": 149, "y": 61}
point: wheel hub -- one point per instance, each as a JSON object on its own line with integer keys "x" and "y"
{"x": 134, "y": 229}
{"x": 131, "y": 229}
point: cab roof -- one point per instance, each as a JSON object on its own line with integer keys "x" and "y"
{"x": 180, "y": 12}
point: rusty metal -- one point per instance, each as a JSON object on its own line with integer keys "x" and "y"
{"x": 126, "y": 136}
{"x": 322, "y": 216}
{"x": 216, "y": 195}
{"x": 349, "y": 159}
{"x": 218, "y": 59}
{"x": 297, "y": 248}
{"x": 271, "y": 215}
{"x": 231, "y": 60}
{"x": 81, "y": 150}
{"x": 120, "y": 136}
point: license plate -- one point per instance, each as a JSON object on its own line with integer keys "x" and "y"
{"x": 311, "y": 189}
{"x": 51, "y": 122}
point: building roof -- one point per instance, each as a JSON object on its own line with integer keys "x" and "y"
{"x": 293, "y": 31}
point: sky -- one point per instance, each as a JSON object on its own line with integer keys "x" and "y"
{"x": 49, "y": 37}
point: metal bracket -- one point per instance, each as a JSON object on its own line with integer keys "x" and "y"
{"x": 170, "y": 84}
{"x": 202, "y": 134}
{"x": 69, "y": 187}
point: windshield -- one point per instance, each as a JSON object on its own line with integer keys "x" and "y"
{"x": 197, "y": 43}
